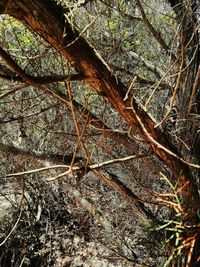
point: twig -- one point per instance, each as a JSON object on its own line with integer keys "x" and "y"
{"x": 83, "y": 31}
{"x": 38, "y": 170}
{"x": 12, "y": 91}
{"x": 130, "y": 87}
{"x": 194, "y": 89}
{"x": 155, "y": 33}
{"x": 113, "y": 161}
{"x": 175, "y": 90}
{"x": 12, "y": 230}
{"x": 157, "y": 144}
{"x": 158, "y": 84}
{"x": 79, "y": 132}
{"x": 32, "y": 80}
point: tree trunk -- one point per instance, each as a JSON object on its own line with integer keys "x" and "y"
{"x": 47, "y": 19}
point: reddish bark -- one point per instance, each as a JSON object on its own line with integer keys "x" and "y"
{"x": 47, "y": 19}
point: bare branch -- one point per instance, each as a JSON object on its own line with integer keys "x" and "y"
{"x": 15, "y": 73}
{"x": 38, "y": 170}
{"x": 12, "y": 91}
{"x": 78, "y": 168}
{"x": 157, "y": 71}
{"x": 12, "y": 230}
{"x": 195, "y": 87}
{"x": 18, "y": 118}
{"x": 114, "y": 161}
{"x": 155, "y": 33}
{"x": 112, "y": 181}
{"x": 14, "y": 150}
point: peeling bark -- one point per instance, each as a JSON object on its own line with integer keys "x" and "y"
{"x": 47, "y": 19}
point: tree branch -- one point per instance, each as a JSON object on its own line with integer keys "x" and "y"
{"x": 14, "y": 150}
{"x": 15, "y": 73}
{"x": 49, "y": 22}
{"x": 79, "y": 169}
{"x": 155, "y": 33}
{"x": 157, "y": 71}
{"x": 110, "y": 179}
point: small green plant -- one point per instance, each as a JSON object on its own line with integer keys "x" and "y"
{"x": 180, "y": 235}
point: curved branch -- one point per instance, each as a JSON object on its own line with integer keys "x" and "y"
{"x": 15, "y": 73}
